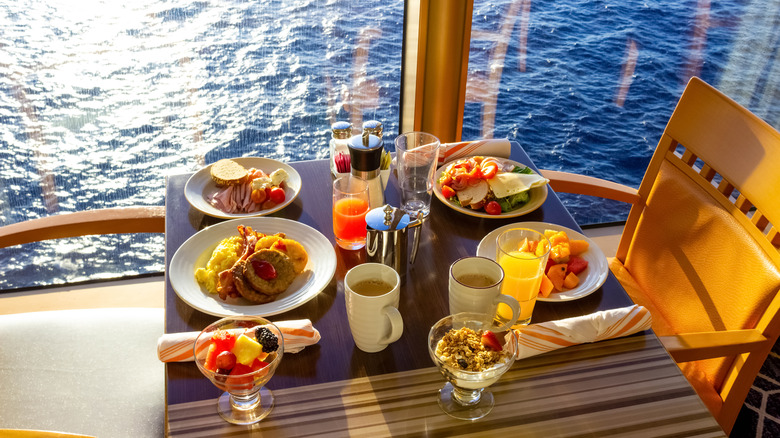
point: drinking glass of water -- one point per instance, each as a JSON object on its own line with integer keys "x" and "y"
{"x": 416, "y": 156}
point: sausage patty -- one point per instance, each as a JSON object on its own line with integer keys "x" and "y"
{"x": 282, "y": 266}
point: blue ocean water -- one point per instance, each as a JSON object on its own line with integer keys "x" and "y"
{"x": 100, "y": 101}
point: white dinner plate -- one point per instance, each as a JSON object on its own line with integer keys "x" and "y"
{"x": 200, "y": 186}
{"x": 196, "y": 251}
{"x": 538, "y": 196}
{"x": 590, "y": 279}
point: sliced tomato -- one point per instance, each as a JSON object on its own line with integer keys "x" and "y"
{"x": 493, "y": 208}
{"x": 447, "y": 191}
{"x": 489, "y": 170}
{"x": 474, "y": 175}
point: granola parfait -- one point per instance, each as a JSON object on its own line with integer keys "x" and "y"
{"x": 471, "y": 357}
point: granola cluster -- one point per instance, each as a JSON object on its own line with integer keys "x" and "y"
{"x": 463, "y": 349}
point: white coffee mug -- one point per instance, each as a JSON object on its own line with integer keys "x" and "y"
{"x": 372, "y": 293}
{"x": 475, "y": 286}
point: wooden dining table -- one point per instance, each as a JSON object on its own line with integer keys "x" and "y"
{"x": 627, "y": 386}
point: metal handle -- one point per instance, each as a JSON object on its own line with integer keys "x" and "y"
{"x": 417, "y": 225}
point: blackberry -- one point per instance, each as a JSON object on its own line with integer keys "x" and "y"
{"x": 267, "y": 339}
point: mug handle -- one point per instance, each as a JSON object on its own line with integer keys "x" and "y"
{"x": 513, "y": 304}
{"x": 396, "y": 324}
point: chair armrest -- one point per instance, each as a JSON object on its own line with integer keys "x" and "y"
{"x": 707, "y": 345}
{"x": 587, "y": 185}
{"x": 82, "y": 223}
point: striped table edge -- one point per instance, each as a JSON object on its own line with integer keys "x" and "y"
{"x": 626, "y": 387}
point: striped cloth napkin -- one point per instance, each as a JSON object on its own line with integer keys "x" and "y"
{"x": 547, "y": 336}
{"x": 498, "y": 147}
{"x": 177, "y": 347}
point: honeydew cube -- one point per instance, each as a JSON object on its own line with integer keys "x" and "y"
{"x": 246, "y": 350}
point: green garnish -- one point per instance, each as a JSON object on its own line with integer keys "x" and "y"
{"x": 512, "y": 202}
{"x": 522, "y": 169}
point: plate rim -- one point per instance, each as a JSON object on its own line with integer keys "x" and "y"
{"x": 198, "y": 181}
{"x": 268, "y": 309}
{"x": 601, "y": 276}
{"x": 539, "y": 193}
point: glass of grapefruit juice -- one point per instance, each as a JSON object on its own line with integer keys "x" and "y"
{"x": 350, "y": 205}
{"x": 522, "y": 253}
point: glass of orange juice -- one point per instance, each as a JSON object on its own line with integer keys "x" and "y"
{"x": 350, "y": 205}
{"x": 522, "y": 253}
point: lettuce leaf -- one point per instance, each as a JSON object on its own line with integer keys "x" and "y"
{"x": 512, "y": 202}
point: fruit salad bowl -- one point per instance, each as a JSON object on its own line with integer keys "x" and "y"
{"x": 239, "y": 355}
{"x": 471, "y": 356}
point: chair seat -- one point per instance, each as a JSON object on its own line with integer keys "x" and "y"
{"x": 91, "y": 371}
{"x": 692, "y": 370}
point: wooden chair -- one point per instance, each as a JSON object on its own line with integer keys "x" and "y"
{"x": 83, "y": 223}
{"x": 85, "y": 370}
{"x": 700, "y": 246}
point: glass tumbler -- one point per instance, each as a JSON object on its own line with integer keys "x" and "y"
{"x": 350, "y": 205}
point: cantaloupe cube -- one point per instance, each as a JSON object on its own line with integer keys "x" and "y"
{"x": 211, "y": 358}
{"x": 577, "y": 247}
{"x": 546, "y": 288}
{"x": 571, "y": 281}
{"x": 557, "y": 274}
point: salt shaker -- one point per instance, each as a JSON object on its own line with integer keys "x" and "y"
{"x": 374, "y": 127}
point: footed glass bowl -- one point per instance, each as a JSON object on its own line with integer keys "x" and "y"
{"x": 466, "y": 395}
{"x": 246, "y": 400}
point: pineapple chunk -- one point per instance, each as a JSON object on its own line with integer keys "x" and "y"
{"x": 541, "y": 248}
{"x": 560, "y": 252}
{"x": 246, "y": 350}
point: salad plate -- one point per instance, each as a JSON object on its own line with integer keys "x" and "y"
{"x": 590, "y": 279}
{"x": 537, "y": 196}
{"x": 196, "y": 251}
{"x": 200, "y": 187}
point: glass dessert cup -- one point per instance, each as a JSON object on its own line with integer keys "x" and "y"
{"x": 466, "y": 395}
{"x": 246, "y": 400}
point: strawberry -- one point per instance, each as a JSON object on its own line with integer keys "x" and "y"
{"x": 490, "y": 340}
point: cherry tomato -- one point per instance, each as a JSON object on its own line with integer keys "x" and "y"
{"x": 489, "y": 170}
{"x": 277, "y": 195}
{"x": 258, "y": 196}
{"x": 493, "y": 207}
{"x": 447, "y": 191}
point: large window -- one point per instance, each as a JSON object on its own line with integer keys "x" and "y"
{"x": 100, "y": 100}
{"x": 587, "y": 87}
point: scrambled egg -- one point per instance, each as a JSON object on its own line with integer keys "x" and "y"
{"x": 224, "y": 257}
